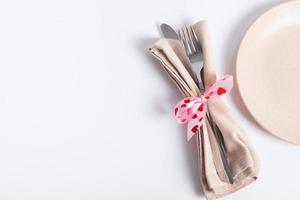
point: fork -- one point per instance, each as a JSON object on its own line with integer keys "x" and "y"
{"x": 192, "y": 47}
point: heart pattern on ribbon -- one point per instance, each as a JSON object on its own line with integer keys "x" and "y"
{"x": 192, "y": 110}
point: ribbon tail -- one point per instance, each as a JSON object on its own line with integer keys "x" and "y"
{"x": 219, "y": 88}
{"x": 195, "y": 124}
{"x": 190, "y": 134}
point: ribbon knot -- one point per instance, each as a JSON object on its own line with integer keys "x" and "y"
{"x": 192, "y": 110}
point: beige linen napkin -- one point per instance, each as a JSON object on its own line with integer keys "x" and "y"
{"x": 242, "y": 159}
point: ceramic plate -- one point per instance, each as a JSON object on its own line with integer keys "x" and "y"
{"x": 268, "y": 71}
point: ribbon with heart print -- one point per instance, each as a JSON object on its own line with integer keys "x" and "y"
{"x": 192, "y": 110}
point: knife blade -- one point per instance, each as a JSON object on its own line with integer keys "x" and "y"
{"x": 168, "y": 31}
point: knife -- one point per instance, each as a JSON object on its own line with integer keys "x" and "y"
{"x": 168, "y": 32}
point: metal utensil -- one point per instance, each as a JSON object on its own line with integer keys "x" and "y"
{"x": 193, "y": 48}
{"x": 168, "y": 32}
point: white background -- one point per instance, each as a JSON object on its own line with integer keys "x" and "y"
{"x": 85, "y": 111}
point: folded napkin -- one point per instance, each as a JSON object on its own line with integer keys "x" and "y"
{"x": 242, "y": 159}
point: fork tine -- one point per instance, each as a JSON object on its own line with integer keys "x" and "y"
{"x": 195, "y": 39}
{"x": 187, "y": 42}
{"x": 182, "y": 38}
{"x": 187, "y": 38}
{"x": 191, "y": 41}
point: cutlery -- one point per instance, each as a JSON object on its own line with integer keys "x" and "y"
{"x": 192, "y": 47}
{"x": 168, "y": 32}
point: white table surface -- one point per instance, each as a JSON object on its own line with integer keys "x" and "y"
{"x": 85, "y": 112}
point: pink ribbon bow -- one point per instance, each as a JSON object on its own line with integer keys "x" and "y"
{"x": 192, "y": 110}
